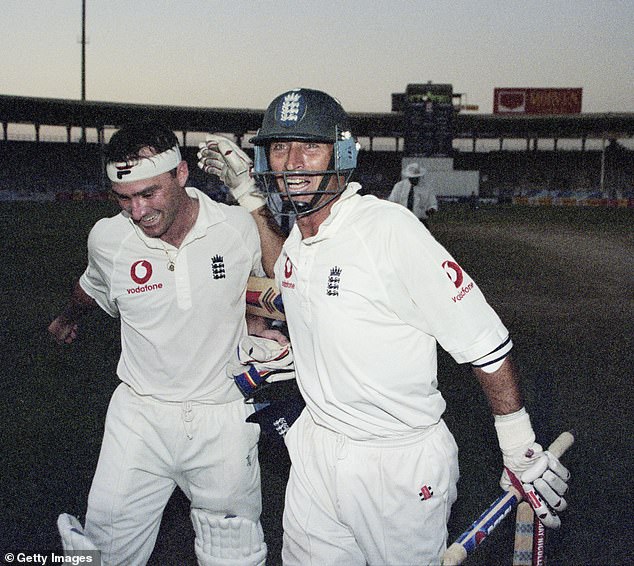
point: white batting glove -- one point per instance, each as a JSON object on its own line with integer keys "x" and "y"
{"x": 260, "y": 361}
{"x": 535, "y": 473}
{"x": 264, "y": 350}
{"x": 72, "y": 534}
{"x": 546, "y": 482}
{"x": 220, "y": 156}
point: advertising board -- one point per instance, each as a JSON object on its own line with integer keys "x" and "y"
{"x": 537, "y": 100}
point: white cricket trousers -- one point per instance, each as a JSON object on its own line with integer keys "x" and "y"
{"x": 379, "y": 502}
{"x": 150, "y": 447}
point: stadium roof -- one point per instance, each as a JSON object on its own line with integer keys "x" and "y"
{"x": 102, "y": 115}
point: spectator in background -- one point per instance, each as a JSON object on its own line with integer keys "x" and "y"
{"x": 419, "y": 198}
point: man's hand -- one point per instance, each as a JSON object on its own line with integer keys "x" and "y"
{"x": 63, "y": 330}
{"x": 543, "y": 485}
{"x": 220, "y": 156}
{"x": 535, "y": 473}
{"x": 259, "y": 363}
{"x": 73, "y": 537}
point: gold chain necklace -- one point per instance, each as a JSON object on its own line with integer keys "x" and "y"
{"x": 171, "y": 262}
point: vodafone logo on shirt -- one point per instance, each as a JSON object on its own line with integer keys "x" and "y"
{"x": 454, "y": 272}
{"x": 288, "y": 271}
{"x": 456, "y": 276}
{"x": 141, "y": 273}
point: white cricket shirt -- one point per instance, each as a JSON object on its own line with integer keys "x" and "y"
{"x": 367, "y": 300}
{"x": 180, "y": 328}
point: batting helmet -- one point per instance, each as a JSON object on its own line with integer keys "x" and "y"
{"x": 306, "y": 115}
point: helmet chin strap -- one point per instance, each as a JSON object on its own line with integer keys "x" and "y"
{"x": 306, "y": 208}
{"x": 301, "y": 208}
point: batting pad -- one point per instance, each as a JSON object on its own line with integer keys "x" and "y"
{"x": 72, "y": 533}
{"x": 227, "y": 541}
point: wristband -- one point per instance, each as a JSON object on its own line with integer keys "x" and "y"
{"x": 514, "y": 431}
{"x": 248, "y": 196}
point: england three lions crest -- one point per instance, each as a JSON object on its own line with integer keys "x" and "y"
{"x": 334, "y": 279}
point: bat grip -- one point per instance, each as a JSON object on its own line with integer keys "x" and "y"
{"x": 561, "y": 444}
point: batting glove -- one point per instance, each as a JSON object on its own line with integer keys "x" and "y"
{"x": 220, "y": 156}
{"x": 72, "y": 534}
{"x": 537, "y": 474}
{"x": 260, "y": 362}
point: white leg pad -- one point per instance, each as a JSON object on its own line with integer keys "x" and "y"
{"x": 227, "y": 541}
{"x": 72, "y": 533}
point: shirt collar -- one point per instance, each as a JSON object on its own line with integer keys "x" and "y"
{"x": 331, "y": 224}
{"x": 209, "y": 213}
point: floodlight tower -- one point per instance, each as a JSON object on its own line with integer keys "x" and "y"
{"x": 83, "y": 49}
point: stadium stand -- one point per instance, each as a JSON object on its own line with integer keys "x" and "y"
{"x": 40, "y": 169}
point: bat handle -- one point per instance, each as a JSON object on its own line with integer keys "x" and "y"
{"x": 564, "y": 441}
{"x": 456, "y": 554}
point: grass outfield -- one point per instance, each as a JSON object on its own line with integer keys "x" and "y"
{"x": 560, "y": 278}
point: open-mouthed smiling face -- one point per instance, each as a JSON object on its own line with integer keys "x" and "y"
{"x": 301, "y": 157}
{"x": 156, "y": 205}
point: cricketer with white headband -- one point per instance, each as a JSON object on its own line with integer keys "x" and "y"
{"x": 173, "y": 267}
{"x": 145, "y": 167}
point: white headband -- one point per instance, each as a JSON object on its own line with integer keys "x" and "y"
{"x": 143, "y": 167}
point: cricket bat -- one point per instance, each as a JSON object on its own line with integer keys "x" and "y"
{"x": 530, "y": 538}
{"x": 524, "y": 533}
{"x": 539, "y": 542}
{"x": 484, "y": 525}
{"x": 264, "y": 298}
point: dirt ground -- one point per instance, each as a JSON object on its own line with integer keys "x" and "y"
{"x": 572, "y": 249}
{"x": 565, "y": 292}
{"x": 561, "y": 282}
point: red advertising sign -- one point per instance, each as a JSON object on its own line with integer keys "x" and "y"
{"x": 537, "y": 100}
